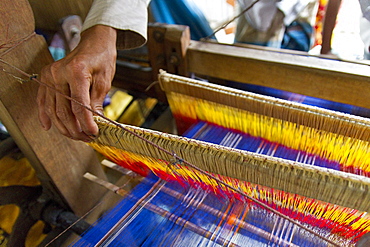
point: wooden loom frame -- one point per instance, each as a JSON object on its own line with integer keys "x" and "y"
{"x": 171, "y": 49}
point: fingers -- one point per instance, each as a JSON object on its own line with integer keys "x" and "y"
{"x": 80, "y": 91}
{"x": 56, "y": 109}
{"x": 51, "y": 111}
{"x": 43, "y": 116}
{"x": 98, "y": 92}
{"x": 85, "y": 75}
{"x": 46, "y": 101}
{"x": 65, "y": 120}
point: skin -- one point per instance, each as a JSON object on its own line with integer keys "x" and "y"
{"x": 331, "y": 13}
{"x": 85, "y": 74}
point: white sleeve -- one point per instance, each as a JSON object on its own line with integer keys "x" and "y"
{"x": 261, "y": 15}
{"x": 365, "y": 8}
{"x": 128, "y": 16}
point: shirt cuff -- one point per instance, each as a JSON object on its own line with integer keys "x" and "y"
{"x": 129, "y": 17}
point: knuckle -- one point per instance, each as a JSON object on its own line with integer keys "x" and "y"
{"x": 101, "y": 88}
{"x": 46, "y": 74}
{"x": 78, "y": 110}
{"x": 76, "y": 65}
{"x": 44, "y": 71}
{"x": 54, "y": 75}
{"x": 53, "y": 69}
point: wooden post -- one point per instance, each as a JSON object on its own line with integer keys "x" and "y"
{"x": 167, "y": 45}
{"x": 177, "y": 40}
{"x": 156, "y": 55}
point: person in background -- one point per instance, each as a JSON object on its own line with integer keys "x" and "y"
{"x": 365, "y": 27}
{"x": 332, "y": 10}
{"x": 331, "y": 13}
{"x": 287, "y": 24}
{"x": 86, "y": 73}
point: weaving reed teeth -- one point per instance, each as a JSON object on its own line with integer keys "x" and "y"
{"x": 299, "y": 114}
{"x": 335, "y": 136}
{"x": 336, "y": 187}
{"x": 308, "y": 132}
{"x": 132, "y": 153}
{"x": 353, "y": 154}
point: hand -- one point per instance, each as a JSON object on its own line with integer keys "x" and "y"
{"x": 85, "y": 74}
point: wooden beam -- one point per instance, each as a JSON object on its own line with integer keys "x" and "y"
{"x": 338, "y": 81}
{"x": 134, "y": 78}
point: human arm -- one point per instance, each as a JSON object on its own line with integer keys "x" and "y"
{"x": 86, "y": 73}
{"x": 330, "y": 19}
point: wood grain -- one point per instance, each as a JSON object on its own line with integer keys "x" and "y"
{"x": 59, "y": 162}
{"x": 338, "y": 81}
{"x": 16, "y": 21}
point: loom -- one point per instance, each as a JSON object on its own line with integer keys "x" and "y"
{"x": 54, "y": 157}
{"x": 306, "y": 147}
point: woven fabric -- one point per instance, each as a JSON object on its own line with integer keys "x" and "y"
{"x": 157, "y": 213}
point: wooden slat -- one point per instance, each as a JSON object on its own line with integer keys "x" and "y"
{"x": 59, "y": 162}
{"x": 134, "y": 78}
{"x": 337, "y": 81}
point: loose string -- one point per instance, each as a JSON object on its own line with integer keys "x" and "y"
{"x": 15, "y": 43}
{"x": 230, "y": 21}
{"x": 219, "y": 181}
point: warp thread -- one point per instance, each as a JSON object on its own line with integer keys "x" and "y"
{"x": 217, "y": 180}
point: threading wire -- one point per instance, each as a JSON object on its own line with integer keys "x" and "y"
{"x": 228, "y": 22}
{"x": 74, "y": 223}
{"x": 15, "y": 43}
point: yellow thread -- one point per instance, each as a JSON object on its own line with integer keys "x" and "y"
{"x": 349, "y": 152}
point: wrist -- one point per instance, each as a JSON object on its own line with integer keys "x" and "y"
{"x": 101, "y": 34}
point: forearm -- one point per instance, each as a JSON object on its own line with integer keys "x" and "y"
{"x": 331, "y": 13}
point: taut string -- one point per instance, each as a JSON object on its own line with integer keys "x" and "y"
{"x": 229, "y": 21}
